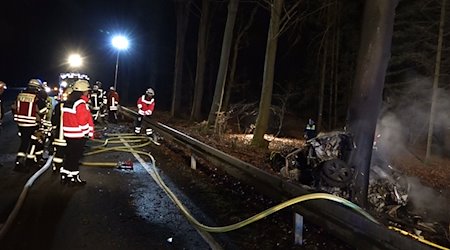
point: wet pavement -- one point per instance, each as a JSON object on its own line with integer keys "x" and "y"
{"x": 117, "y": 209}
{"x": 126, "y": 209}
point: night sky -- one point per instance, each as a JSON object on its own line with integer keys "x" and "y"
{"x": 38, "y": 35}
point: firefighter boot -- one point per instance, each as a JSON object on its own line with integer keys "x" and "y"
{"x": 64, "y": 175}
{"x": 75, "y": 180}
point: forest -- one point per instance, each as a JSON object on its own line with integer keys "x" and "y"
{"x": 370, "y": 67}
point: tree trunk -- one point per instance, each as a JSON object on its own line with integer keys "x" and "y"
{"x": 201, "y": 62}
{"x": 323, "y": 79}
{"x": 437, "y": 71}
{"x": 182, "y": 12}
{"x": 223, "y": 66}
{"x": 266, "y": 92}
{"x": 373, "y": 57}
{"x": 235, "y": 53}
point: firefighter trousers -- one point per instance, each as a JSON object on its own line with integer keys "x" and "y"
{"x": 138, "y": 124}
{"x": 26, "y": 146}
{"x": 74, "y": 153}
{"x": 112, "y": 116}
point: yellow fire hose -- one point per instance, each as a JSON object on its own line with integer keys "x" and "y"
{"x": 249, "y": 220}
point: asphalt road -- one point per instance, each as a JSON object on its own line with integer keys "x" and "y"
{"x": 126, "y": 209}
{"x": 117, "y": 209}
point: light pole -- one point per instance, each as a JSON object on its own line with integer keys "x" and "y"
{"x": 120, "y": 43}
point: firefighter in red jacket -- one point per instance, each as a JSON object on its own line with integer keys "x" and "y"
{"x": 28, "y": 109}
{"x": 113, "y": 104}
{"x": 145, "y": 104}
{"x": 78, "y": 127}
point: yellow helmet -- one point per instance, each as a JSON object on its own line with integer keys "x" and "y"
{"x": 36, "y": 83}
{"x": 81, "y": 85}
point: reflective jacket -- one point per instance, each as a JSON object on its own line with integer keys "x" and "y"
{"x": 145, "y": 106}
{"x": 96, "y": 100}
{"x": 77, "y": 120}
{"x": 113, "y": 100}
{"x": 28, "y": 108}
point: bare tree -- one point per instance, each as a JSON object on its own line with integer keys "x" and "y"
{"x": 373, "y": 57}
{"x": 237, "y": 45}
{"x": 182, "y": 13}
{"x": 223, "y": 66}
{"x": 201, "y": 61}
{"x": 266, "y": 93}
{"x": 435, "y": 82}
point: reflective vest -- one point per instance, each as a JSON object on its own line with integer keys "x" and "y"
{"x": 145, "y": 106}
{"x": 96, "y": 99}
{"x": 26, "y": 113}
{"x": 113, "y": 100}
{"x": 77, "y": 120}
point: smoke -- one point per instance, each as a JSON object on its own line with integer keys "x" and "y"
{"x": 403, "y": 124}
{"x": 405, "y": 117}
{"x": 427, "y": 202}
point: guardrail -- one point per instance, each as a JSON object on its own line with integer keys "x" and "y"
{"x": 340, "y": 221}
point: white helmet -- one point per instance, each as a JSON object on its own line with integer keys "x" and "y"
{"x": 81, "y": 85}
{"x": 112, "y": 88}
{"x": 150, "y": 91}
{"x": 36, "y": 83}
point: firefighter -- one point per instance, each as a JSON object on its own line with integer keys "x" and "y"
{"x": 41, "y": 137}
{"x": 96, "y": 101}
{"x": 310, "y": 130}
{"x": 145, "y": 104}
{"x": 112, "y": 104}
{"x": 78, "y": 127}
{"x": 2, "y": 110}
{"x": 58, "y": 143}
{"x": 28, "y": 109}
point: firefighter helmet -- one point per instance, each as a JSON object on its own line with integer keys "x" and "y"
{"x": 112, "y": 88}
{"x": 150, "y": 91}
{"x": 81, "y": 85}
{"x": 36, "y": 83}
{"x": 98, "y": 83}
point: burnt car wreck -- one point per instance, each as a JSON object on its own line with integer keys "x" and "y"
{"x": 321, "y": 166}
{"x": 321, "y": 162}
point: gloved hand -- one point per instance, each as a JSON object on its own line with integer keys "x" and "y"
{"x": 148, "y": 112}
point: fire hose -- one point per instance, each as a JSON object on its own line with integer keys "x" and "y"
{"x": 243, "y": 223}
{"x": 183, "y": 209}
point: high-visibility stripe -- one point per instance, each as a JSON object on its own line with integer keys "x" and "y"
{"x": 61, "y": 144}
{"x": 25, "y": 116}
{"x": 57, "y": 160}
{"x": 74, "y": 135}
{"x": 30, "y": 109}
{"x": 71, "y": 129}
{"x": 26, "y": 124}
{"x": 147, "y": 102}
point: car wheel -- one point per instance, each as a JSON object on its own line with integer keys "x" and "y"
{"x": 336, "y": 173}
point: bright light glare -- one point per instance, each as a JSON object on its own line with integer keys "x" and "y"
{"x": 63, "y": 84}
{"x": 75, "y": 60}
{"x": 120, "y": 42}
